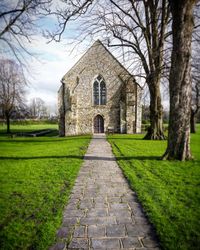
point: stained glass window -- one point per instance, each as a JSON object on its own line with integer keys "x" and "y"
{"x": 99, "y": 91}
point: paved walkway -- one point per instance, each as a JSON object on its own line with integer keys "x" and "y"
{"x": 103, "y": 212}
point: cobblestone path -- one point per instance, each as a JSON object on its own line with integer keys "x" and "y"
{"x": 103, "y": 212}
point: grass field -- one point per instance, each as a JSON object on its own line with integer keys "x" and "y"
{"x": 168, "y": 190}
{"x": 36, "y": 176}
{"x": 24, "y": 127}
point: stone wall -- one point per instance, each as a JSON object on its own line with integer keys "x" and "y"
{"x": 121, "y": 95}
{"x": 138, "y": 110}
{"x": 61, "y": 112}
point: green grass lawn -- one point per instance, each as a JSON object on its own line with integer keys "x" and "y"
{"x": 23, "y": 127}
{"x": 168, "y": 190}
{"x": 36, "y": 177}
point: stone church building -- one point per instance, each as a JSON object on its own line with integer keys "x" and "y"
{"x": 98, "y": 94}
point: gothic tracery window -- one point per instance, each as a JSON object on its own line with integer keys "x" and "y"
{"x": 99, "y": 91}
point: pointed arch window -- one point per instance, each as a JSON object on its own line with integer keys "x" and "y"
{"x": 99, "y": 91}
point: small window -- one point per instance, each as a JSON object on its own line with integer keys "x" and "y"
{"x": 99, "y": 91}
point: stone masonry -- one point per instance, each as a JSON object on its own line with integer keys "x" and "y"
{"x": 77, "y": 111}
{"x": 103, "y": 212}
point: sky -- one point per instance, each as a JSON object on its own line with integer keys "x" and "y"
{"x": 51, "y": 61}
{"x": 47, "y": 68}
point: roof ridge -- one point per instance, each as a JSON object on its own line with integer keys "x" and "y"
{"x": 97, "y": 42}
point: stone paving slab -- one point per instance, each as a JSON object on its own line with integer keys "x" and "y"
{"x": 103, "y": 212}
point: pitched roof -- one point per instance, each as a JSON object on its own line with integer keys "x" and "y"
{"x": 98, "y": 42}
{"x": 95, "y": 44}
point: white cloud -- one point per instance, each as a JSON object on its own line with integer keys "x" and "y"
{"x": 53, "y": 59}
{"x": 45, "y": 72}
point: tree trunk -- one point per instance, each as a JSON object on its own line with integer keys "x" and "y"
{"x": 155, "y": 131}
{"x": 192, "y": 122}
{"x": 180, "y": 81}
{"x": 8, "y": 123}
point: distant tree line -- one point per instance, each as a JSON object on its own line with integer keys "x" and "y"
{"x": 13, "y": 104}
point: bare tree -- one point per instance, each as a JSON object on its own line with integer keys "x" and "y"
{"x": 18, "y": 24}
{"x": 70, "y": 11}
{"x": 38, "y": 108}
{"x": 195, "y": 102}
{"x": 139, "y": 28}
{"x": 180, "y": 81}
{"x": 195, "y": 107}
{"x": 147, "y": 25}
{"x": 12, "y": 85}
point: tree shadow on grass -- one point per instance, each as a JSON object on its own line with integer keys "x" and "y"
{"x": 140, "y": 158}
{"x": 39, "y": 139}
{"x": 41, "y": 157}
{"x": 86, "y": 157}
{"x": 125, "y": 138}
{"x": 96, "y": 158}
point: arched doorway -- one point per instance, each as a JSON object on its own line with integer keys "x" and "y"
{"x": 98, "y": 124}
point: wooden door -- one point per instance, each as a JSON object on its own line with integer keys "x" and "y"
{"x": 98, "y": 124}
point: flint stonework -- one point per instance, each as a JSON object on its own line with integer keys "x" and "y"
{"x": 120, "y": 111}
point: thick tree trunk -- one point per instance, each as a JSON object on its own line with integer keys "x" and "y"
{"x": 180, "y": 81}
{"x": 155, "y": 43}
{"x": 8, "y": 123}
{"x": 155, "y": 130}
{"x": 192, "y": 122}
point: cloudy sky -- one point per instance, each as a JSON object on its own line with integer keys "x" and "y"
{"x": 52, "y": 61}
